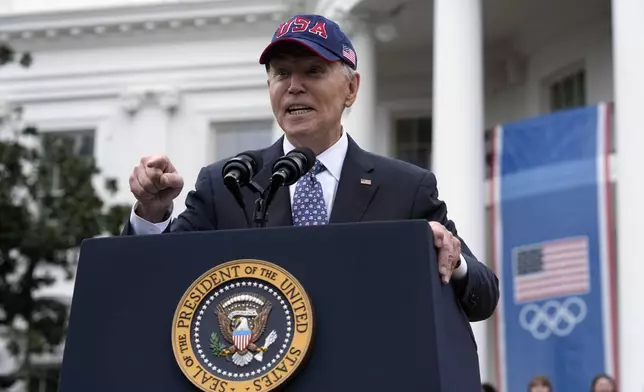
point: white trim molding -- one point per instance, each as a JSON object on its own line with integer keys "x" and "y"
{"x": 165, "y": 97}
{"x": 121, "y": 20}
{"x": 206, "y": 77}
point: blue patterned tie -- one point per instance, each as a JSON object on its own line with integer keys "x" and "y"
{"x": 309, "y": 208}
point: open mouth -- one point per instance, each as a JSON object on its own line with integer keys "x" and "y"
{"x": 297, "y": 110}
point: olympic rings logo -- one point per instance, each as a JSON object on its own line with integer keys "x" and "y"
{"x": 553, "y": 317}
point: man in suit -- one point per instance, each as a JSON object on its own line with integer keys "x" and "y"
{"x": 312, "y": 78}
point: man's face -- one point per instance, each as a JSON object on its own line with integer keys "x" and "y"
{"x": 308, "y": 94}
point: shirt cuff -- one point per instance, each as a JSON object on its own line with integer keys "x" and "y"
{"x": 143, "y": 227}
{"x": 461, "y": 271}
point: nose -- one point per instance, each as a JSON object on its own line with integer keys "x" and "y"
{"x": 297, "y": 85}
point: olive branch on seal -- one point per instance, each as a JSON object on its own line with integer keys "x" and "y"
{"x": 216, "y": 346}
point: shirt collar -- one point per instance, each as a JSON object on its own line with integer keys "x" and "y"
{"x": 332, "y": 158}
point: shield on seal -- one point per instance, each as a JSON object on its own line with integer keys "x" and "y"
{"x": 241, "y": 338}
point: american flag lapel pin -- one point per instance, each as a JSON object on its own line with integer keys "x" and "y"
{"x": 365, "y": 181}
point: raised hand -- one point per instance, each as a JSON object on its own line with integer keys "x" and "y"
{"x": 155, "y": 183}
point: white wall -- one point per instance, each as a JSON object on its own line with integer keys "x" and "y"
{"x": 588, "y": 44}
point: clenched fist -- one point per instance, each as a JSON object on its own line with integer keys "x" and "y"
{"x": 155, "y": 183}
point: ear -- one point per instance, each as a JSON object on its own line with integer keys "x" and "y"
{"x": 353, "y": 87}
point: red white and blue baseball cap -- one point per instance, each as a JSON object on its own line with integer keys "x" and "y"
{"x": 319, "y": 34}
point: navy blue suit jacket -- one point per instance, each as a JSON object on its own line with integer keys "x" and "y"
{"x": 398, "y": 191}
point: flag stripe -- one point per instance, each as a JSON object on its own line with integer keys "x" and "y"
{"x": 549, "y": 278}
{"x": 553, "y": 282}
{"x": 569, "y": 289}
{"x": 560, "y": 262}
{"x": 605, "y": 211}
{"x": 562, "y": 246}
{"x": 497, "y": 256}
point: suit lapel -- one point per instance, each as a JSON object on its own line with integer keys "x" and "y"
{"x": 279, "y": 212}
{"x": 357, "y": 186}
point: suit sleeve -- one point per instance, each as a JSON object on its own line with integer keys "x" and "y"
{"x": 478, "y": 290}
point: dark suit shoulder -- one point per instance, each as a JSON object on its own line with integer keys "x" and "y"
{"x": 398, "y": 170}
{"x": 214, "y": 169}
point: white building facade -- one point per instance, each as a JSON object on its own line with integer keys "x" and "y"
{"x": 182, "y": 78}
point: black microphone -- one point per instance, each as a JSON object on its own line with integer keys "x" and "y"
{"x": 289, "y": 168}
{"x": 286, "y": 171}
{"x": 239, "y": 170}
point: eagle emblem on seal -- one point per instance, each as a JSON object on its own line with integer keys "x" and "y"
{"x": 242, "y": 321}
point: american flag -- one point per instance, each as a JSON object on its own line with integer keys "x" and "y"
{"x": 551, "y": 269}
{"x": 349, "y": 53}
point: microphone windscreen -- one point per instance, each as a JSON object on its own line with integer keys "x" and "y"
{"x": 310, "y": 157}
{"x": 256, "y": 159}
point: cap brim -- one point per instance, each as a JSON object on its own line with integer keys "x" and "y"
{"x": 314, "y": 47}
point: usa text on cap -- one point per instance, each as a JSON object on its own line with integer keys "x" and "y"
{"x": 319, "y": 34}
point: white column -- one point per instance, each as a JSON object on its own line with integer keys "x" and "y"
{"x": 628, "y": 52}
{"x": 140, "y": 128}
{"x": 360, "y": 119}
{"x": 458, "y": 149}
{"x": 147, "y": 118}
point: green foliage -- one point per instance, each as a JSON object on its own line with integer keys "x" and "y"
{"x": 48, "y": 206}
{"x": 216, "y": 346}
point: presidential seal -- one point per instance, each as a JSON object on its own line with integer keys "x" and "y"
{"x": 246, "y": 325}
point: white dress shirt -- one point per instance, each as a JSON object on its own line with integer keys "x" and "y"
{"x": 332, "y": 159}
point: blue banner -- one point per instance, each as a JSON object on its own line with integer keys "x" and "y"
{"x": 552, "y": 218}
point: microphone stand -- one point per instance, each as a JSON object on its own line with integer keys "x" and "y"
{"x": 299, "y": 161}
{"x": 260, "y": 215}
{"x": 264, "y": 199}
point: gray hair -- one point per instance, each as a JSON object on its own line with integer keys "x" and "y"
{"x": 349, "y": 72}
